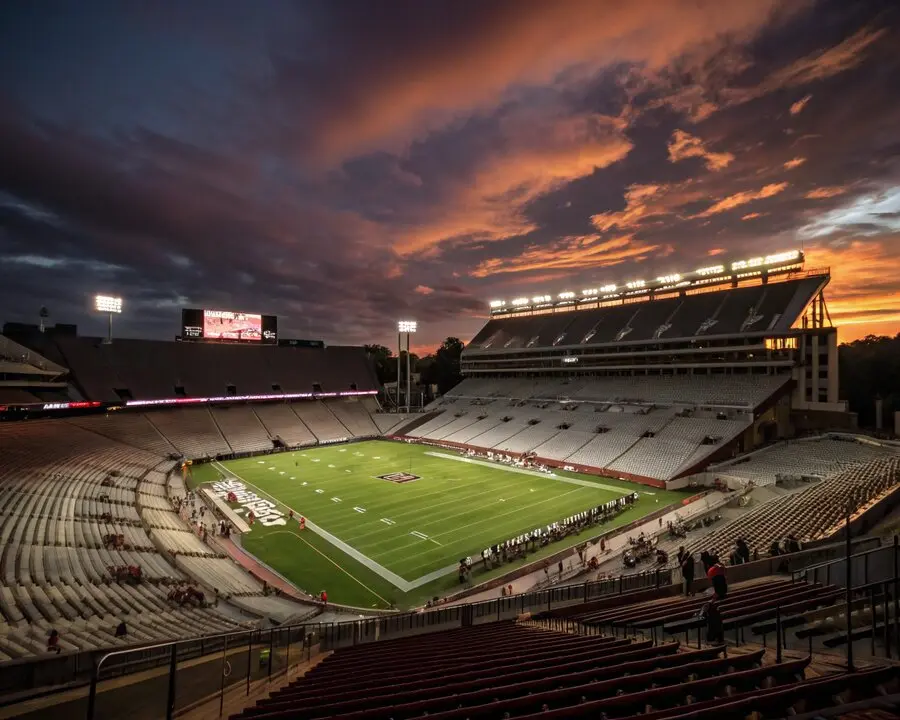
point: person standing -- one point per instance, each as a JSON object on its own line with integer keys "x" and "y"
{"x": 716, "y": 575}
{"x": 687, "y": 572}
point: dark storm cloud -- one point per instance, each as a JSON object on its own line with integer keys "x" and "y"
{"x": 342, "y": 164}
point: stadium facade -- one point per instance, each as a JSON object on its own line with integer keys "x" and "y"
{"x": 652, "y": 380}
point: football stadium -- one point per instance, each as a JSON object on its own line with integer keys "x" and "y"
{"x": 643, "y": 499}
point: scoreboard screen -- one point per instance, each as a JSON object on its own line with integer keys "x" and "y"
{"x": 228, "y": 326}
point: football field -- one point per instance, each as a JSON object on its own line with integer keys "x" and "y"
{"x": 387, "y": 522}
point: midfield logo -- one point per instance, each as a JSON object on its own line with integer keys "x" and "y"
{"x": 399, "y": 477}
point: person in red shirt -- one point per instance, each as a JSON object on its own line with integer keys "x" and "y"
{"x": 324, "y": 598}
{"x": 716, "y": 575}
{"x": 302, "y": 523}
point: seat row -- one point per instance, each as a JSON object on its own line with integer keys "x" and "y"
{"x": 513, "y": 670}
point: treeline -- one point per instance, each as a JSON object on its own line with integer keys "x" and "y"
{"x": 440, "y": 368}
{"x": 870, "y": 368}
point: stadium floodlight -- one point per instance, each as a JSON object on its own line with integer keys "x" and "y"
{"x": 498, "y": 303}
{"x": 590, "y": 292}
{"x": 566, "y": 295}
{"x": 519, "y": 302}
{"x": 636, "y": 284}
{"x": 109, "y": 305}
{"x": 711, "y": 270}
{"x": 407, "y": 327}
{"x": 674, "y": 278}
{"x": 783, "y": 257}
{"x": 608, "y": 289}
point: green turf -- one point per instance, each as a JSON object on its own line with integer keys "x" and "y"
{"x": 460, "y": 508}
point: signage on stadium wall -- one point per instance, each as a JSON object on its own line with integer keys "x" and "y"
{"x": 70, "y": 405}
{"x": 245, "y": 398}
{"x": 263, "y": 510}
{"x": 86, "y": 405}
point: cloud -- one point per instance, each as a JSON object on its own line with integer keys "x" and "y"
{"x": 647, "y": 205}
{"x": 742, "y": 198}
{"x": 423, "y": 290}
{"x": 578, "y": 253}
{"x": 392, "y": 73}
{"x": 752, "y": 216}
{"x": 823, "y": 193}
{"x": 797, "y": 107}
{"x": 538, "y": 151}
{"x": 794, "y": 163}
{"x": 814, "y": 67}
{"x": 684, "y": 145}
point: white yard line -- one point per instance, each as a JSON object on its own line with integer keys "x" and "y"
{"x": 342, "y": 569}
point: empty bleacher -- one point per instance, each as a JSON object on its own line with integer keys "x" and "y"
{"x": 812, "y": 514}
{"x": 241, "y": 428}
{"x": 150, "y": 369}
{"x": 64, "y": 490}
{"x": 505, "y": 670}
{"x": 808, "y": 458}
{"x": 281, "y": 421}
{"x": 735, "y": 390}
{"x": 192, "y": 431}
{"x": 760, "y": 308}
{"x": 321, "y": 421}
{"x": 354, "y": 416}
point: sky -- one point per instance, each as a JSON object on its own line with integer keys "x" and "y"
{"x": 344, "y": 164}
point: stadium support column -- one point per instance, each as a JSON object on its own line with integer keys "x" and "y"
{"x": 399, "y": 356}
{"x": 408, "y": 327}
{"x": 408, "y": 376}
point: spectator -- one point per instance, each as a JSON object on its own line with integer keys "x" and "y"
{"x": 687, "y": 572}
{"x": 121, "y": 630}
{"x": 324, "y": 598}
{"x": 774, "y": 549}
{"x": 791, "y": 543}
{"x": 53, "y": 642}
{"x": 716, "y": 575}
{"x": 714, "y": 631}
{"x": 707, "y": 561}
{"x": 681, "y": 553}
{"x": 743, "y": 550}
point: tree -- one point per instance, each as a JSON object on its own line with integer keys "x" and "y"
{"x": 870, "y": 368}
{"x": 443, "y": 371}
{"x": 385, "y": 363}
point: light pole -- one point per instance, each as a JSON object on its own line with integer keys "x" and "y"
{"x": 111, "y": 306}
{"x": 408, "y": 327}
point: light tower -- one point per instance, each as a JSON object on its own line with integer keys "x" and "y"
{"x": 111, "y": 306}
{"x": 408, "y": 327}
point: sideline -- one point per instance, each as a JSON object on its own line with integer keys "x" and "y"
{"x": 535, "y": 473}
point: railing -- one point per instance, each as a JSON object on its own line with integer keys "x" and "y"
{"x": 177, "y": 675}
